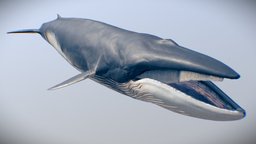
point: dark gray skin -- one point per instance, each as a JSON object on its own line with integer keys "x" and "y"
{"x": 123, "y": 54}
{"x": 142, "y": 66}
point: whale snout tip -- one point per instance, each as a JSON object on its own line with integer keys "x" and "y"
{"x": 233, "y": 75}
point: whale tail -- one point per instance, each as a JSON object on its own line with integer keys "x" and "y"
{"x": 25, "y": 31}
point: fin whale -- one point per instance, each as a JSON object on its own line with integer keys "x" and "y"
{"x": 142, "y": 66}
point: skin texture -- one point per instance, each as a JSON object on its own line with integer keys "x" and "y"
{"x": 142, "y": 66}
{"x": 124, "y": 52}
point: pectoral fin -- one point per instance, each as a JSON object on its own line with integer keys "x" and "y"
{"x": 72, "y": 80}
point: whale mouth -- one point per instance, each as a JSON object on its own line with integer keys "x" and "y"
{"x": 195, "y": 85}
{"x": 191, "y": 93}
{"x": 207, "y": 92}
{"x": 200, "y": 99}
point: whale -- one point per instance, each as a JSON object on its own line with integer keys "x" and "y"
{"x": 142, "y": 66}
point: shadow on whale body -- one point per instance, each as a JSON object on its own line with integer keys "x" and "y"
{"x": 142, "y": 66}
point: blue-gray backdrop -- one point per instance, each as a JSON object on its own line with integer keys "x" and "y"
{"x": 90, "y": 113}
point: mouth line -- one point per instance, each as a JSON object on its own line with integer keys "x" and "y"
{"x": 189, "y": 75}
{"x": 174, "y": 76}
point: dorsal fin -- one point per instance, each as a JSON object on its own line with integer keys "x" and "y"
{"x": 168, "y": 42}
{"x": 58, "y": 16}
{"x": 172, "y": 41}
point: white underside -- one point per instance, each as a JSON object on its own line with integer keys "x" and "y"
{"x": 153, "y": 91}
{"x": 54, "y": 42}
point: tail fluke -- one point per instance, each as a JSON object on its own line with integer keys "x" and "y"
{"x": 25, "y": 31}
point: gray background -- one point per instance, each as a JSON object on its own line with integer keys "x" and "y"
{"x": 91, "y": 113}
